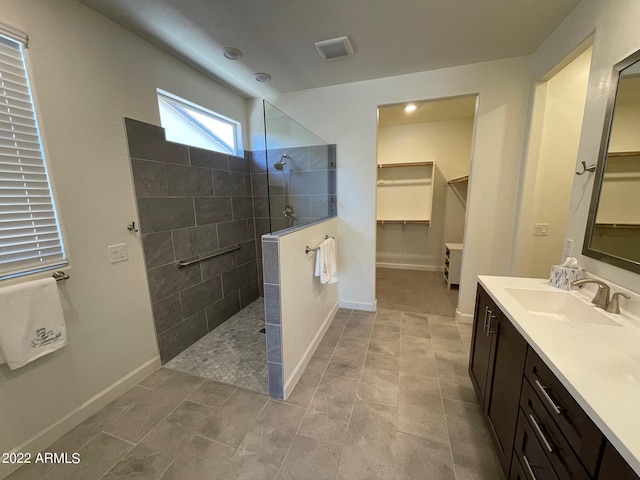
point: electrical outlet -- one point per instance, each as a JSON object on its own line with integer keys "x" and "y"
{"x": 118, "y": 253}
{"x": 540, "y": 229}
{"x": 568, "y": 247}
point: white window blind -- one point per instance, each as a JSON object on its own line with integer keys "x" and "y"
{"x": 30, "y": 237}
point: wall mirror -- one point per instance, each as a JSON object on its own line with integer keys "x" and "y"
{"x": 613, "y": 227}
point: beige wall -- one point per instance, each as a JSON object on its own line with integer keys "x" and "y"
{"x": 449, "y": 144}
{"x": 87, "y": 74}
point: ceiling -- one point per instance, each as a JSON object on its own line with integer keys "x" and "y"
{"x": 428, "y": 111}
{"x": 389, "y": 37}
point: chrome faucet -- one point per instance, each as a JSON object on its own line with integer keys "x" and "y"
{"x": 613, "y": 306}
{"x": 601, "y": 299}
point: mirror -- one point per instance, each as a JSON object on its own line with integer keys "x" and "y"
{"x": 613, "y": 228}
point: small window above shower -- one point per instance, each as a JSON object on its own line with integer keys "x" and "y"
{"x": 191, "y": 124}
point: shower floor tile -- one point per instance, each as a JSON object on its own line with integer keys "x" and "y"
{"x": 233, "y": 353}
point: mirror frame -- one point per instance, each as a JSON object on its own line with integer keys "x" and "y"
{"x": 599, "y": 174}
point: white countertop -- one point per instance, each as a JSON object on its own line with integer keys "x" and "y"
{"x": 598, "y": 364}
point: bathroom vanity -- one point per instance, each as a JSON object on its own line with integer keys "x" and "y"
{"x": 558, "y": 381}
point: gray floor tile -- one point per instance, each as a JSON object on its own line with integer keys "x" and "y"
{"x": 202, "y": 459}
{"x": 454, "y": 377}
{"x": 231, "y": 422}
{"x": 348, "y": 357}
{"x": 341, "y": 317}
{"x": 417, "y": 357}
{"x": 466, "y": 331}
{"x": 389, "y": 317}
{"x": 415, "y": 325}
{"x": 310, "y": 459}
{"x": 212, "y": 394}
{"x": 157, "y": 378}
{"x": 359, "y": 326}
{"x": 371, "y": 423}
{"x": 379, "y": 382}
{"x": 308, "y": 382}
{"x": 328, "y": 343}
{"x": 445, "y": 336}
{"x": 95, "y": 459}
{"x": 153, "y": 406}
{"x": 328, "y": 414}
{"x": 419, "y": 458}
{"x": 420, "y": 410}
{"x": 367, "y": 460}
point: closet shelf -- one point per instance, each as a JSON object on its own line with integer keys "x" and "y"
{"x": 408, "y": 164}
{"x": 464, "y": 178}
{"x": 404, "y": 222}
{"x": 624, "y": 154}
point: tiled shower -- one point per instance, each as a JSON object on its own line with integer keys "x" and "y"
{"x": 193, "y": 202}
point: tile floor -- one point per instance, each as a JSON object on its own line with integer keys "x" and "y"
{"x": 386, "y": 396}
{"x": 234, "y": 352}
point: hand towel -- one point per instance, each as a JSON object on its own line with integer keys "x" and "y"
{"x": 326, "y": 262}
{"x": 31, "y": 322}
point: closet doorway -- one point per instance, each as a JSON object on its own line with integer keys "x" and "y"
{"x": 423, "y": 157}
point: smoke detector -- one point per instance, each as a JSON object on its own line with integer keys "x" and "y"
{"x": 334, "y": 48}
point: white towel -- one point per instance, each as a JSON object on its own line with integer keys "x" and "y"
{"x": 326, "y": 264}
{"x": 31, "y": 322}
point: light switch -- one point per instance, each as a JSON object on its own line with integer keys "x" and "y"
{"x": 118, "y": 253}
{"x": 568, "y": 247}
{"x": 540, "y": 229}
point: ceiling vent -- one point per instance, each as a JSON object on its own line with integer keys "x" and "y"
{"x": 335, "y": 48}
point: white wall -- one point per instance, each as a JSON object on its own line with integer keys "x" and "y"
{"x": 87, "y": 74}
{"x": 616, "y": 36}
{"x": 449, "y": 144}
{"x": 346, "y": 115}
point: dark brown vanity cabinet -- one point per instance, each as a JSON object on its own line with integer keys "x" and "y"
{"x": 496, "y": 366}
{"x": 537, "y": 427}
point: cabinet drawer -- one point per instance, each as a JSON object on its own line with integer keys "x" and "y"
{"x": 578, "y": 429}
{"x": 564, "y": 460}
{"x": 533, "y": 459}
{"x": 614, "y": 467}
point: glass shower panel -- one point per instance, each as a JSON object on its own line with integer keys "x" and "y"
{"x": 301, "y": 172}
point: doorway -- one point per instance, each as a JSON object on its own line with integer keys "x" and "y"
{"x": 423, "y": 157}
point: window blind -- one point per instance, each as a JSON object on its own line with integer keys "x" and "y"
{"x": 30, "y": 237}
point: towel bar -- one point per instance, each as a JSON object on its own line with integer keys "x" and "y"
{"x": 308, "y": 249}
{"x": 60, "y": 275}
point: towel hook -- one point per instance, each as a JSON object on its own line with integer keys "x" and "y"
{"x": 132, "y": 227}
{"x": 590, "y": 168}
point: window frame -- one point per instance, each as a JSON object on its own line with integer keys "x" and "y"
{"x": 234, "y": 124}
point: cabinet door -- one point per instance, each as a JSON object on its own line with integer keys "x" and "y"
{"x": 480, "y": 343}
{"x": 504, "y": 385}
{"x": 614, "y": 467}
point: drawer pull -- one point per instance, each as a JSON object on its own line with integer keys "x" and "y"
{"x": 543, "y": 390}
{"x": 486, "y": 316}
{"x": 528, "y": 467}
{"x": 540, "y": 434}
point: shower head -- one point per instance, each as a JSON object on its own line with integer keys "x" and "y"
{"x": 279, "y": 165}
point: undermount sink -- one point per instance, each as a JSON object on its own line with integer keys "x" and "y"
{"x": 559, "y": 305}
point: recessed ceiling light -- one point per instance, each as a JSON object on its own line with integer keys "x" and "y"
{"x": 262, "y": 77}
{"x": 232, "y": 53}
{"x": 410, "y": 108}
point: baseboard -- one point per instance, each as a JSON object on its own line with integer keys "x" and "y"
{"x": 367, "y": 307}
{"x": 53, "y": 432}
{"x": 406, "y": 266}
{"x": 291, "y": 383}
{"x": 463, "y": 317}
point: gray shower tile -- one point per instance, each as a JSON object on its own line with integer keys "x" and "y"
{"x": 249, "y": 293}
{"x": 192, "y": 241}
{"x": 276, "y": 380}
{"x": 274, "y": 344}
{"x": 181, "y": 336}
{"x": 222, "y": 310}
{"x": 229, "y": 184}
{"x": 239, "y": 164}
{"x": 231, "y": 422}
{"x": 297, "y": 161}
{"x": 230, "y": 233}
{"x": 238, "y": 277}
{"x": 311, "y": 183}
{"x": 242, "y": 208}
{"x": 168, "y": 280}
{"x": 262, "y": 227}
{"x": 247, "y": 252}
{"x": 96, "y": 458}
{"x": 261, "y": 206}
{"x": 167, "y": 313}
{"x": 272, "y": 304}
{"x": 149, "y": 178}
{"x": 200, "y": 296}
{"x": 258, "y": 161}
{"x": 158, "y": 249}
{"x": 159, "y": 214}
{"x": 319, "y": 206}
{"x": 201, "y": 459}
{"x": 151, "y": 457}
{"x": 251, "y": 229}
{"x": 201, "y": 157}
{"x": 189, "y": 181}
{"x": 301, "y": 205}
{"x": 320, "y": 157}
{"x": 270, "y": 262}
{"x": 212, "y": 209}
{"x": 259, "y": 184}
{"x": 218, "y": 265}
{"x": 147, "y": 142}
